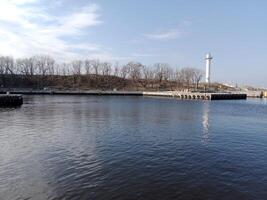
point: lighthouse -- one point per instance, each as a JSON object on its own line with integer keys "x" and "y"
{"x": 208, "y": 64}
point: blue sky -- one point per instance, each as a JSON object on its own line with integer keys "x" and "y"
{"x": 179, "y": 32}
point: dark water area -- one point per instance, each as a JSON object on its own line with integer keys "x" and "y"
{"x": 101, "y": 147}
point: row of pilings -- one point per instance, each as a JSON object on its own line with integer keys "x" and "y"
{"x": 198, "y": 95}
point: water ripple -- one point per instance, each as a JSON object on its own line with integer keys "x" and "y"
{"x": 78, "y": 147}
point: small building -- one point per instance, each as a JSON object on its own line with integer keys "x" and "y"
{"x": 265, "y": 94}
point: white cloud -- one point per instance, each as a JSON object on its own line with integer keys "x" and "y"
{"x": 27, "y": 28}
{"x": 84, "y": 17}
{"x": 75, "y": 22}
{"x": 20, "y": 2}
{"x": 165, "y": 35}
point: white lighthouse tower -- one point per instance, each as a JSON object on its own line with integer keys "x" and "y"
{"x": 208, "y": 64}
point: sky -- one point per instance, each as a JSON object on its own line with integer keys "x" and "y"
{"x": 178, "y": 32}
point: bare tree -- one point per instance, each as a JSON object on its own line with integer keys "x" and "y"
{"x": 50, "y": 62}
{"x": 22, "y": 66}
{"x": 124, "y": 71}
{"x": 26, "y": 66}
{"x": 88, "y": 65}
{"x": 167, "y": 72}
{"x": 105, "y": 68}
{"x": 2, "y": 65}
{"x": 31, "y": 66}
{"x": 65, "y": 69}
{"x": 135, "y": 69}
{"x": 198, "y": 75}
{"x": 187, "y": 75}
{"x": 148, "y": 75}
{"x": 6, "y": 65}
{"x": 41, "y": 70}
{"x": 77, "y": 67}
{"x": 44, "y": 64}
{"x": 161, "y": 71}
{"x": 58, "y": 69}
{"x": 116, "y": 69}
{"x": 178, "y": 78}
{"x": 96, "y": 65}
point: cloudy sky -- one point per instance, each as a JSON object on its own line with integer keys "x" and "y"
{"x": 179, "y": 32}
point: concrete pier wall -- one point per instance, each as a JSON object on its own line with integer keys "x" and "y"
{"x": 11, "y": 100}
{"x": 197, "y": 95}
{"x": 92, "y": 92}
{"x": 174, "y": 94}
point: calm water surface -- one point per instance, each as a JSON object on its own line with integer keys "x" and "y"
{"x": 81, "y": 147}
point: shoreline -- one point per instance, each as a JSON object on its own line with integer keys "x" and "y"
{"x": 174, "y": 94}
{"x": 90, "y": 92}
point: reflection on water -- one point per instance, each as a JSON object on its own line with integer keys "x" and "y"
{"x": 79, "y": 147}
{"x": 205, "y": 122}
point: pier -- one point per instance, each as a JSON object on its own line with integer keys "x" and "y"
{"x": 175, "y": 94}
{"x": 7, "y": 100}
{"x": 198, "y": 95}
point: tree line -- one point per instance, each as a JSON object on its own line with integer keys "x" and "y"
{"x": 137, "y": 73}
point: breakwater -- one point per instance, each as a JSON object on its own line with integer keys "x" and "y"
{"x": 198, "y": 95}
{"x": 174, "y": 94}
{"x": 7, "y": 100}
{"x": 91, "y": 92}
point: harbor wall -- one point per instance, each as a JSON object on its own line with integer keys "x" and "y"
{"x": 10, "y": 100}
{"x": 13, "y": 99}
